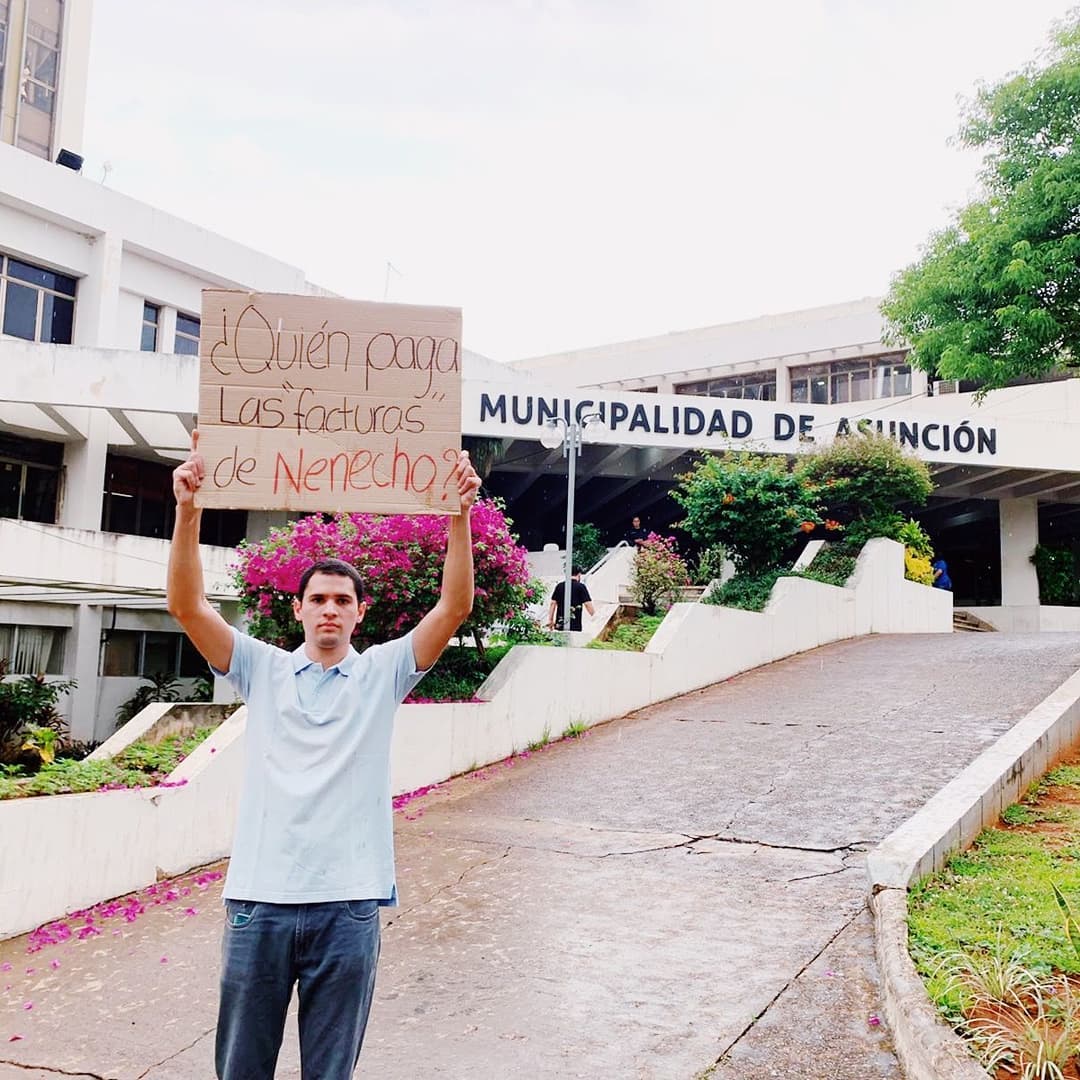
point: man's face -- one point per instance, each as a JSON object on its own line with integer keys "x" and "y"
{"x": 636, "y": 523}
{"x": 329, "y": 611}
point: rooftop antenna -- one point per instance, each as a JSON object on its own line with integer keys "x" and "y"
{"x": 386, "y": 286}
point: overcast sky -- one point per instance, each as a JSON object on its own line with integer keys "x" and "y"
{"x": 569, "y": 172}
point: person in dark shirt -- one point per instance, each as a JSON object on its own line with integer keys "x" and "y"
{"x": 941, "y": 575}
{"x": 636, "y": 535}
{"x": 579, "y": 598}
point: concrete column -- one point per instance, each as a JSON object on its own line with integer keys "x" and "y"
{"x": 83, "y": 654}
{"x": 84, "y": 474}
{"x": 919, "y": 382}
{"x": 97, "y": 301}
{"x": 783, "y": 384}
{"x": 1019, "y": 525}
{"x": 166, "y": 334}
{"x": 260, "y": 522}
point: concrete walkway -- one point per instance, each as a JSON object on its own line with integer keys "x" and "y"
{"x": 678, "y": 894}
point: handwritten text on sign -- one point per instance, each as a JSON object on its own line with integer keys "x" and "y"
{"x": 311, "y": 403}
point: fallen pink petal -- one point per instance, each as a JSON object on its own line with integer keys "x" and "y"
{"x": 27, "y": 1006}
{"x": 874, "y": 1021}
{"x": 14, "y": 1038}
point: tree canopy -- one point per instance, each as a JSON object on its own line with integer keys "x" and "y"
{"x": 996, "y": 295}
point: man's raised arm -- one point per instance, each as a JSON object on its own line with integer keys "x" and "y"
{"x": 186, "y": 594}
{"x": 455, "y": 603}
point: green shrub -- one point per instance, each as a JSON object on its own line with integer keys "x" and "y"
{"x": 832, "y": 565}
{"x": 459, "y": 673}
{"x": 1059, "y": 575}
{"x": 865, "y": 476}
{"x": 589, "y": 549}
{"x": 749, "y": 591}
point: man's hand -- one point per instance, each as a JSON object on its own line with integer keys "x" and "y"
{"x": 468, "y": 482}
{"x": 188, "y": 477}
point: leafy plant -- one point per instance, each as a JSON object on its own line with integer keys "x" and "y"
{"x": 29, "y": 701}
{"x": 709, "y": 565}
{"x": 751, "y": 503}
{"x": 658, "y": 574}
{"x": 575, "y": 730}
{"x": 589, "y": 549}
{"x": 161, "y": 686}
{"x": 1072, "y": 924}
{"x": 545, "y": 738}
{"x": 42, "y": 741}
{"x": 917, "y": 569}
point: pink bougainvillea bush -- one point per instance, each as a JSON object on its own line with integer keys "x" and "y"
{"x": 400, "y": 558}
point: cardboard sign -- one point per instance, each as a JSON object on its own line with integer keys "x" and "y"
{"x": 312, "y": 403}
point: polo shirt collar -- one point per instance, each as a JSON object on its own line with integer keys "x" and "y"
{"x": 301, "y": 661}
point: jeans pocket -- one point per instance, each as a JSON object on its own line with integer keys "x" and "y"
{"x": 362, "y": 910}
{"x": 239, "y": 913}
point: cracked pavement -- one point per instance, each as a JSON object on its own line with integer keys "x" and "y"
{"x": 678, "y": 894}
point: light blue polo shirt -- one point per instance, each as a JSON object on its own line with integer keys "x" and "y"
{"x": 315, "y": 820}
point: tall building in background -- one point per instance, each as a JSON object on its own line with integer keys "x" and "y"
{"x": 44, "y": 52}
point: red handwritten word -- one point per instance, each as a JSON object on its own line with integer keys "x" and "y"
{"x": 360, "y": 471}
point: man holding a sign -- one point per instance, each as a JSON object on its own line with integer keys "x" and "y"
{"x": 312, "y": 859}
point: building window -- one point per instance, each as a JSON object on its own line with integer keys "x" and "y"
{"x": 29, "y": 479}
{"x": 40, "y": 75}
{"x": 151, "y": 315}
{"x": 145, "y": 653}
{"x": 32, "y": 650}
{"x": 755, "y": 386}
{"x": 854, "y": 381}
{"x": 138, "y": 501}
{"x": 36, "y": 304}
{"x": 187, "y": 334}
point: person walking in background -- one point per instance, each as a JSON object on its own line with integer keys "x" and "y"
{"x": 941, "y": 575}
{"x": 579, "y": 598}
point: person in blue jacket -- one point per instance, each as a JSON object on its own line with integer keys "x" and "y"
{"x": 941, "y": 575}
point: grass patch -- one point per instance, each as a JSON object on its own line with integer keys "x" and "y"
{"x": 575, "y": 730}
{"x": 630, "y": 636}
{"x": 995, "y": 937}
{"x": 141, "y": 764}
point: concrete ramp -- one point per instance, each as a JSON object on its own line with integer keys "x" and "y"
{"x": 677, "y": 895}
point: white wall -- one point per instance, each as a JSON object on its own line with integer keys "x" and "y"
{"x": 535, "y": 693}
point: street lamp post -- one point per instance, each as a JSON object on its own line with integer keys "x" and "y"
{"x": 567, "y": 434}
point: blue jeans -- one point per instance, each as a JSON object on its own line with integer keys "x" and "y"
{"x": 330, "y": 951}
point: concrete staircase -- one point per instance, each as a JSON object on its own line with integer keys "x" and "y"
{"x": 965, "y": 621}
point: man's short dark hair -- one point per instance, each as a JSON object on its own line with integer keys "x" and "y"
{"x": 575, "y": 571}
{"x": 337, "y": 567}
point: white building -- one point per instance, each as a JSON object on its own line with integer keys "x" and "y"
{"x": 99, "y": 328}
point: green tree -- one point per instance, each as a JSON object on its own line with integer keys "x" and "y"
{"x": 752, "y": 504}
{"x": 996, "y": 295}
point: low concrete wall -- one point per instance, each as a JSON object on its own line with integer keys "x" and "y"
{"x": 1045, "y": 618}
{"x": 535, "y": 693}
